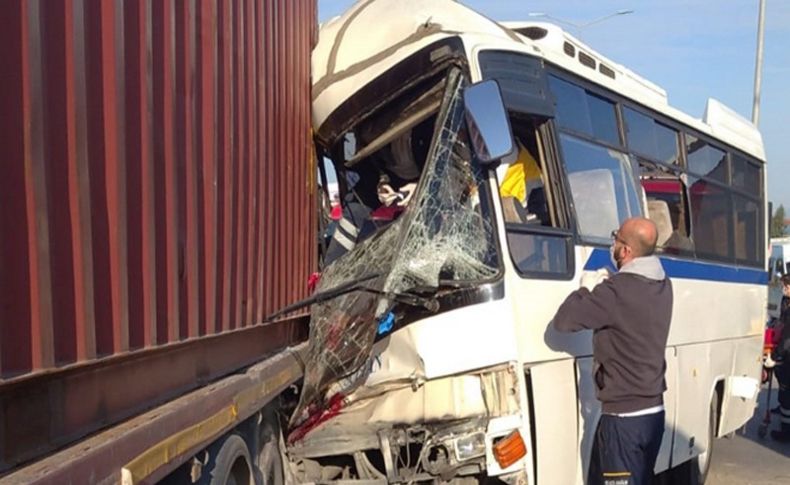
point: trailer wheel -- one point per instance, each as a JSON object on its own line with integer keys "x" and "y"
{"x": 232, "y": 463}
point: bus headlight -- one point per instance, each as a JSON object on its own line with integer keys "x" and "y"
{"x": 470, "y": 446}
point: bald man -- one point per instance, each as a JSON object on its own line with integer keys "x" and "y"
{"x": 629, "y": 314}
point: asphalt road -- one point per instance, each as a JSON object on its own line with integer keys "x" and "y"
{"x": 747, "y": 459}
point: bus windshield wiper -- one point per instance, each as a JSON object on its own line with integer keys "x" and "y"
{"x": 406, "y": 297}
{"x": 324, "y": 296}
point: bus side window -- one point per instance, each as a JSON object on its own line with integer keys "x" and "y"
{"x": 536, "y": 247}
{"x": 667, "y": 207}
{"x": 711, "y": 216}
{"x": 746, "y": 183}
{"x": 602, "y": 186}
{"x": 521, "y": 185}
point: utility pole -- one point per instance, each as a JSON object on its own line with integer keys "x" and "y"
{"x": 758, "y": 67}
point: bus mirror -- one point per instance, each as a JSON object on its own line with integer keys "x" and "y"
{"x": 487, "y": 121}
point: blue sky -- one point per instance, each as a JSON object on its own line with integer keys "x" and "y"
{"x": 693, "y": 49}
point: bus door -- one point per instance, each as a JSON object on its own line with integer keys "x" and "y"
{"x": 540, "y": 260}
{"x": 541, "y": 272}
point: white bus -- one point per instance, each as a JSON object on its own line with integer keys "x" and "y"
{"x": 431, "y": 354}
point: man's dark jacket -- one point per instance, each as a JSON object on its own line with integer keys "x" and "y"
{"x": 630, "y": 313}
{"x": 782, "y": 350}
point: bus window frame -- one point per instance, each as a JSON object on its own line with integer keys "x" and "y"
{"x": 758, "y": 236}
{"x": 676, "y": 172}
{"x": 682, "y": 130}
{"x": 559, "y": 205}
{"x": 583, "y": 238}
{"x": 639, "y": 153}
{"x": 567, "y": 235}
{"x": 556, "y": 146}
{"x": 555, "y": 186}
{"x": 716, "y": 146}
{"x": 732, "y": 190}
{"x": 730, "y": 258}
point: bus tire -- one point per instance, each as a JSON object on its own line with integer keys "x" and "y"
{"x": 695, "y": 471}
{"x": 701, "y": 462}
{"x": 270, "y": 464}
{"x": 231, "y": 464}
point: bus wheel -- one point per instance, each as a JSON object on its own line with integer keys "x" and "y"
{"x": 701, "y": 464}
{"x": 270, "y": 465}
{"x": 232, "y": 463}
{"x": 695, "y": 471}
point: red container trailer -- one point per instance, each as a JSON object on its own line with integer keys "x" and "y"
{"x": 157, "y": 202}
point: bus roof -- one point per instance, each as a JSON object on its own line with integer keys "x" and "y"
{"x": 562, "y": 49}
{"x": 347, "y": 58}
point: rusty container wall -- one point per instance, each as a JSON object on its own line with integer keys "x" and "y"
{"x": 157, "y": 188}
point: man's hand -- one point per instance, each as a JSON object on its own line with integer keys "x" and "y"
{"x": 386, "y": 195}
{"x": 405, "y": 194}
{"x": 590, "y": 280}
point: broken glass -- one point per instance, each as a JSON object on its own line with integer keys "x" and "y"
{"x": 445, "y": 236}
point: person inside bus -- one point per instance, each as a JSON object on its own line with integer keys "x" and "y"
{"x": 380, "y": 188}
{"x": 781, "y": 364}
{"x": 629, "y": 313}
{"x": 521, "y": 188}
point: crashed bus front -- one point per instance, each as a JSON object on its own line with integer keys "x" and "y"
{"x": 432, "y": 355}
{"x": 411, "y": 372}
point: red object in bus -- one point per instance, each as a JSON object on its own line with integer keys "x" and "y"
{"x": 386, "y": 213}
{"x": 336, "y": 213}
{"x": 768, "y": 341}
{"x": 312, "y": 281}
{"x": 661, "y": 186}
{"x": 772, "y": 336}
{"x": 332, "y": 409}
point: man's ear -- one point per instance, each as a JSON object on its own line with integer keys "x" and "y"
{"x": 627, "y": 248}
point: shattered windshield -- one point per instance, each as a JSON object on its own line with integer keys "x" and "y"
{"x": 445, "y": 236}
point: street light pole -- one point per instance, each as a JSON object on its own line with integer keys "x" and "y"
{"x": 758, "y": 65}
{"x": 580, "y": 26}
{"x": 614, "y": 14}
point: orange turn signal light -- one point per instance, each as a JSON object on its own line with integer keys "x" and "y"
{"x": 509, "y": 449}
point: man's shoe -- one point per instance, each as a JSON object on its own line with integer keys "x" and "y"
{"x": 782, "y": 436}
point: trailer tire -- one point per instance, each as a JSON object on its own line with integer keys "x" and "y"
{"x": 232, "y": 463}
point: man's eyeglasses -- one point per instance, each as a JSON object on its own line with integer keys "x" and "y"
{"x": 616, "y": 237}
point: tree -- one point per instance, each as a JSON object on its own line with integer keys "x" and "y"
{"x": 778, "y": 222}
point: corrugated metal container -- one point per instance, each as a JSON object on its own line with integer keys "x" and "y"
{"x": 157, "y": 188}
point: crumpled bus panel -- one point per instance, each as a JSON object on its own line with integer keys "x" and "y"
{"x": 383, "y": 409}
{"x": 441, "y": 235}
